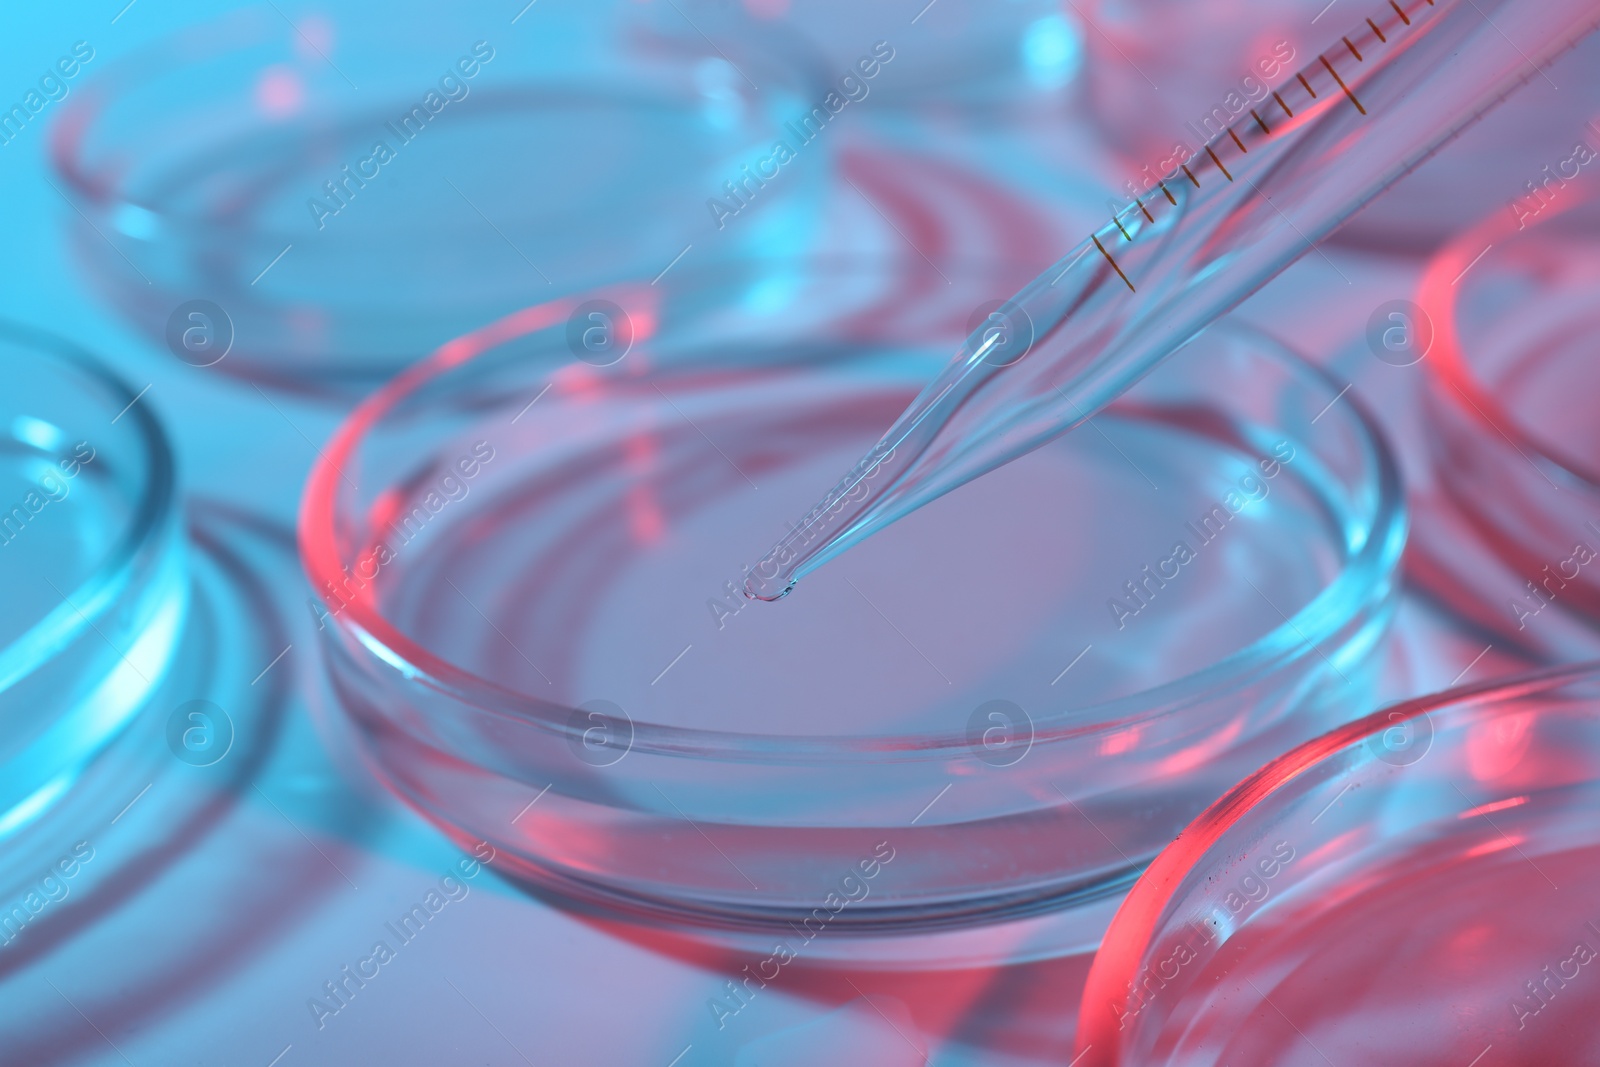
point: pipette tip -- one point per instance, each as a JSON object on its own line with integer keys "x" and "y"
{"x": 758, "y": 591}
{"x": 815, "y": 538}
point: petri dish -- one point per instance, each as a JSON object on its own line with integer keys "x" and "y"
{"x": 1165, "y": 76}
{"x": 178, "y": 806}
{"x": 986, "y": 88}
{"x": 347, "y": 194}
{"x": 958, "y": 55}
{"x": 1416, "y": 887}
{"x": 92, "y": 560}
{"x": 153, "y": 793}
{"x": 522, "y": 562}
{"x": 1508, "y": 403}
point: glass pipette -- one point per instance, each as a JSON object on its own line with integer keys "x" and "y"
{"x": 1250, "y": 202}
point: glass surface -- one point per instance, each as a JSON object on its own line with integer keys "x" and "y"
{"x": 954, "y": 56}
{"x": 92, "y": 560}
{"x": 1509, "y": 410}
{"x": 350, "y": 206}
{"x": 480, "y": 532}
{"x": 1416, "y": 888}
{"x": 1159, "y": 271}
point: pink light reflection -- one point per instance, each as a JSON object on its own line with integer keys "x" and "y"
{"x": 279, "y": 93}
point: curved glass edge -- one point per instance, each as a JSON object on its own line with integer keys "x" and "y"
{"x": 1454, "y": 382}
{"x": 1367, "y": 585}
{"x": 141, "y": 584}
{"x": 359, "y": 342}
{"x": 1103, "y": 1038}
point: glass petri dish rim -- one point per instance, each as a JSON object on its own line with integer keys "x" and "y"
{"x": 349, "y": 353}
{"x": 1121, "y": 951}
{"x": 1451, "y": 374}
{"x": 96, "y": 186}
{"x": 155, "y": 510}
{"x": 1297, "y": 637}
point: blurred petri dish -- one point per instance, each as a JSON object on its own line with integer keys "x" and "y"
{"x": 173, "y": 809}
{"x": 1510, "y": 389}
{"x": 92, "y": 561}
{"x": 1165, "y": 76}
{"x": 990, "y": 88}
{"x": 1385, "y": 894}
{"x": 341, "y": 234}
{"x": 915, "y": 242}
{"x": 1001, "y": 709}
{"x": 958, "y": 54}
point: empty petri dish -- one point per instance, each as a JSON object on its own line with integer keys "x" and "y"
{"x": 349, "y": 194}
{"x": 92, "y": 561}
{"x": 1414, "y": 888}
{"x": 1510, "y": 386}
{"x": 1165, "y": 77}
{"x": 1001, "y": 708}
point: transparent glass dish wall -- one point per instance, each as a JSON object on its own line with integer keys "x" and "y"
{"x": 522, "y": 562}
{"x": 1417, "y": 887}
{"x": 958, "y": 55}
{"x": 348, "y": 191}
{"x": 91, "y": 561}
{"x": 1511, "y": 385}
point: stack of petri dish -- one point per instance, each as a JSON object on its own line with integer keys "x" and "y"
{"x": 526, "y": 550}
